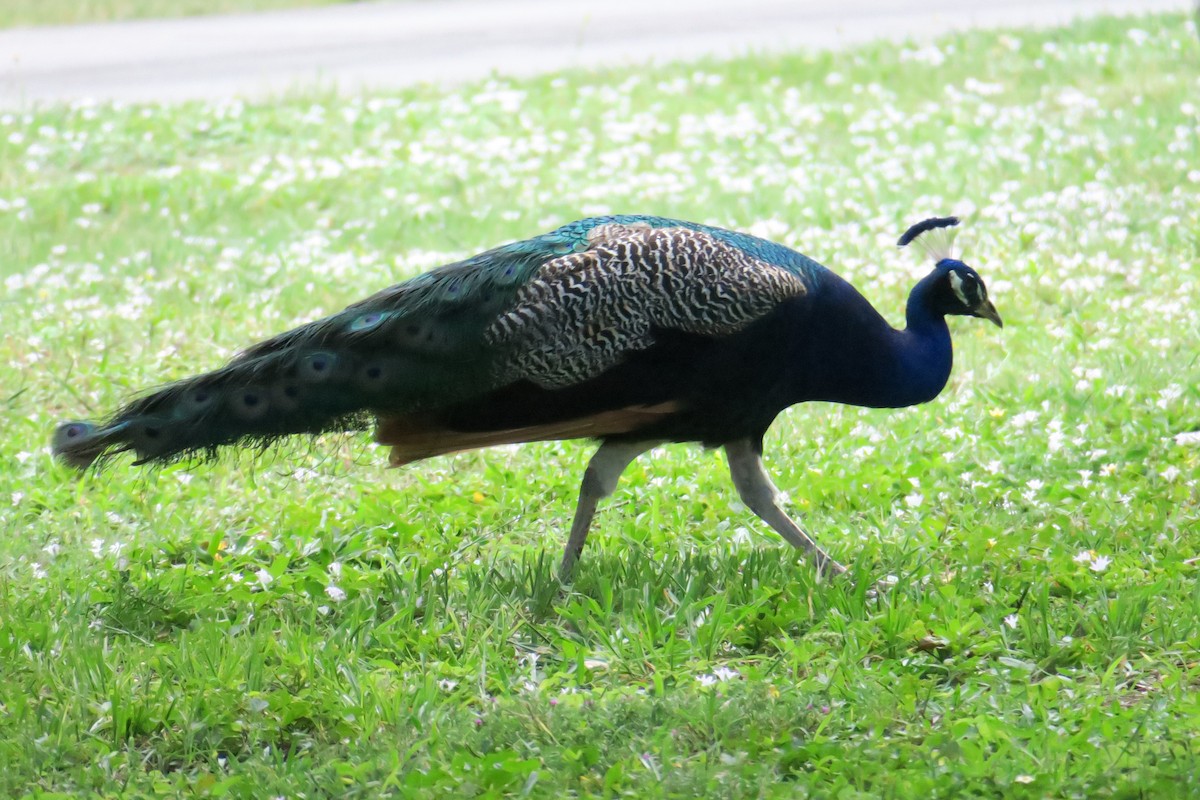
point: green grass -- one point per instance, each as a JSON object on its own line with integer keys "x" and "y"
{"x": 19, "y": 13}
{"x": 309, "y": 624}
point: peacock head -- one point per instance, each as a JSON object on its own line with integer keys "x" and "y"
{"x": 954, "y": 287}
{"x": 961, "y": 291}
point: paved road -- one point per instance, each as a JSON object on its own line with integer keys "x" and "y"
{"x": 388, "y": 44}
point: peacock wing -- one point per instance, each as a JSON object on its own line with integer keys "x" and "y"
{"x": 582, "y": 313}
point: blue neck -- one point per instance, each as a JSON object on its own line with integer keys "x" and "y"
{"x": 924, "y": 354}
{"x": 860, "y": 359}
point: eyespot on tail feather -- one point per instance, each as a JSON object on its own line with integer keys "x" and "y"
{"x": 79, "y": 443}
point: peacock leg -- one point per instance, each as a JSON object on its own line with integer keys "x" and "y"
{"x": 758, "y": 493}
{"x": 599, "y": 481}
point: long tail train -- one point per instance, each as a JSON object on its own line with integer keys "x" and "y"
{"x": 256, "y": 399}
{"x": 334, "y": 374}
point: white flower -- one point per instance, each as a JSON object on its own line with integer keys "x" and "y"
{"x": 1084, "y": 556}
{"x": 1100, "y": 563}
{"x": 725, "y": 673}
{"x": 1011, "y": 621}
{"x": 1170, "y": 473}
{"x": 264, "y": 578}
{"x": 1023, "y": 419}
{"x": 1187, "y": 439}
{"x": 1024, "y": 779}
{"x": 1168, "y": 395}
{"x": 336, "y": 593}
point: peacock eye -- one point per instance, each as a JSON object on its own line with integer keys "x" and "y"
{"x": 967, "y": 288}
{"x": 367, "y": 321}
{"x": 317, "y": 367}
{"x": 201, "y": 398}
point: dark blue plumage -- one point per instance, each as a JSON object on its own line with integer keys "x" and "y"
{"x": 633, "y": 330}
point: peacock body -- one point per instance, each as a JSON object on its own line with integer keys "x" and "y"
{"x": 634, "y": 330}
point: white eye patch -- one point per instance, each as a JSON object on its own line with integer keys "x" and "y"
{"x": 956, "y": 283}
{"x": 970, "y": 294}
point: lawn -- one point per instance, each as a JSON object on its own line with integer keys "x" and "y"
{"x": 310, "y": 624}
{"x": 14, "y": 13}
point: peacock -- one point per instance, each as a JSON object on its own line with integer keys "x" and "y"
{"x": 631, "y": 330}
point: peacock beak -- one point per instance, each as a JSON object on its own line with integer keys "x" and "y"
{"x": 988, "y": 311}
